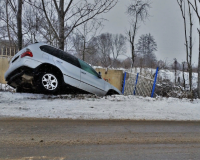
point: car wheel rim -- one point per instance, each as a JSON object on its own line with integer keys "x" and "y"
{"x": 50, "y": 82}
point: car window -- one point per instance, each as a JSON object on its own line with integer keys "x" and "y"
{"x": 69, "y": 58}
{"x": 86, "y": 67}
{"x": 61, "y": 54}
{"x": 47, "y": 49}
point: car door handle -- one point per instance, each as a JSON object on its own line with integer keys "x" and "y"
{"x": 83, "y": 72}
{"x": 59, "y": 61}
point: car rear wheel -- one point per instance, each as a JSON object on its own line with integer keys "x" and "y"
{"x": 48, "y": 83}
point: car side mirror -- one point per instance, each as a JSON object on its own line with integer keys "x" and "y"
{"x": 99, "y": 75}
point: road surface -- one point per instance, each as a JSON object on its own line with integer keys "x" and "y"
{"x": 68, "y": 139}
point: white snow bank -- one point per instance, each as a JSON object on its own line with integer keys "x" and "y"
{"x": 5, "y": 87}
{"x": 91, "y": 107}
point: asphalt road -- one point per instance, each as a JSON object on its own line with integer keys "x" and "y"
{"x": 68, "y": 139}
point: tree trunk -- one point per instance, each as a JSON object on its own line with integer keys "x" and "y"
{"x": 7, "y": 22}
{"x": 190, "y": 50}
{"x": 199, "y": 67}
{"x": 19, "y": 24}
{"x": 190, "y": 77}
{"x": 183, "y": 74}
{"x": 133, "y": 53}
{"x": 175, "y": 69}
{"x": 175, "y": 74}
{"x": 84, "y": 46}
{"x": 61, "y": 17}
{"x": 187, "y": 45}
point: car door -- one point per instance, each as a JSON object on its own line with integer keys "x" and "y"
{"x": 70, "y": 67}
{"x": 90, "y": 80}
{"x": 67, "y": 63}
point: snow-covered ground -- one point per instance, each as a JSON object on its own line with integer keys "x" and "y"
{"x": 167, "y": 74}
{"x": 90, "y": 107}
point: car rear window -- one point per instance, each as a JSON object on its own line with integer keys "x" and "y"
{"x": 61, "y": 54}
{"x": 47, "y": 49}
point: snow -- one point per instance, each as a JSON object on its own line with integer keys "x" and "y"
{"x": 90, "y": 107}
{"x": 5, "y": 87}
{"x": 167, "y": 74}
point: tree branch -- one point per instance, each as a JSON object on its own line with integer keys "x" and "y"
{"x": 49, "y": 20}
{"x": 56, "y": 5}
{"x": 195, "y": 8}
{"x": 68, "y": 6}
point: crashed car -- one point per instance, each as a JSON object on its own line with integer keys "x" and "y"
{"x": 41, "y": 68}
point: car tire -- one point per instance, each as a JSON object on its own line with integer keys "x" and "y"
{"x": 48, "y": 83}
{"x": 111, "y": 92}
{"x": 19, "y": 90}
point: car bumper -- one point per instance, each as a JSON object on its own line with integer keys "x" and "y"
{"x": 21, "y": 63}
{"x": 18, "y": 76}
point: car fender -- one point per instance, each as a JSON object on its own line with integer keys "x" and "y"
{"x": 108, "y": 87}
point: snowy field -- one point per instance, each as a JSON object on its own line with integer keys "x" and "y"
{"x": 170, "y": 75}
{"x": 90, "y": 107}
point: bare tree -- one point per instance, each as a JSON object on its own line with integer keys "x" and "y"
{"x": 85, "y": 50}
{"x": 8, "y": 20}
{"x": 138, "y": 11}
{"x": 12, "y": 18}
{"x": 110, "y": 45}
{"x": 127, "y": 63}
{"x": 163, "y": 64}
{"x": 118, "y": 46}
{"x": 73, "y": 14}
{"x": 146, "y": 44}
{"x": 195, "y": 7}
{"x": 188, "y": 45}
{"x": 103, "y": 47}
{"x": 17, "y": 9}
{"x": 84, "y": 36}
{"x": 30, "y": 25}
{"x": 146, "y": 48}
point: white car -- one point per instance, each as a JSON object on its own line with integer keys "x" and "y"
{"x": 42, "y": 68}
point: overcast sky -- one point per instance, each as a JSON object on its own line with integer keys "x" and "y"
{"x": 165, "y": 24}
